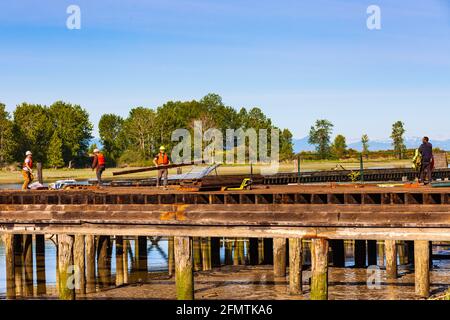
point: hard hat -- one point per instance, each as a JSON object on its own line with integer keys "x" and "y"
{"x": 96, "y": 151}
{"x": 162, "y": 148}
{"x": 28, "y": 153}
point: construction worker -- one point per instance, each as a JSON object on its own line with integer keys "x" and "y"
{"x": 427, "y": 165}
{"x": 27, "y": 170}
{"x": 162, "y": 159}
{"x": 99, "y": 165}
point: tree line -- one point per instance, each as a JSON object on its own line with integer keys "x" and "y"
{"x": 60, "y": 134}
{"x": 320, "y": 136}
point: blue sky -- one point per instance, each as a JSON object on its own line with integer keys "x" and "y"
{"x": 297, "y": 60}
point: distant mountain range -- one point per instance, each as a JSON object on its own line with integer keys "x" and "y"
{"x": 375, "y": 145}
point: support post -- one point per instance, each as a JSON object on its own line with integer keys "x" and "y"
{"x": 18, "y": 264}
{"x": 184, "y": 276}
{"x": 236, "y": 253}
{"x": 126, "y": 247}
{"x": 142, "y": 259}
{"x": 79, "y": 262}
{"x": 171, "y": 256}
{"x": 261, "y": 251}
{"x": 90, "y": 263}
{"x": 28, "y": 264}
{"x": 206, "y": 253}
{"x": 104, "y": 261}
{"x": 119, "y": 261}
{"x": 10, "y": 276}
{"x": 197, "y": 254}
{"x": 391, "y": 259}
{"x": 279, "y": 257}
{"x": 39, "y": 173}
{"x": 319, "y": 269}
{"x": 65, "y": 263}
{"x": 241, "y": 245}
{"x": 228, "y": 252}
{"x": 40, "y": 265}
{"x": 422, "y": 268}
{"x": 295, "y": 266}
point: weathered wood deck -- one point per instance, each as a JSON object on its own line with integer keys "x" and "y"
{"x": 341, "y": 212}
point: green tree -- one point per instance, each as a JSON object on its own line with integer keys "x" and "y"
{"x": 286, "y": 145}
{"x": 73, "y": 127}
{"x": 55, "y": 152}
{"x": 320, "y": 135}
{"x": 7, "y": 143}
{"x": 339, "y": 147}
{"x": 33, "y": 130}
{"x": 365, "y": 145}
{"x": 398, "y": 142}
{"x": 140, "y": 131}
{"x": 112, "y": 136}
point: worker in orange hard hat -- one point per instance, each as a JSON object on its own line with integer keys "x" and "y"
{"x": 162, "y": 159}
{"x": 99, "y": 165}
{"x": 27, "y": 170}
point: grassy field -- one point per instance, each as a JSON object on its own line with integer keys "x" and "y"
{"x": 51, "y": 175}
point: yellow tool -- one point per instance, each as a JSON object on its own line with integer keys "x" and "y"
{"x": 246, "y": 183}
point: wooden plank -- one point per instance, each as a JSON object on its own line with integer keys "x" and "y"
{"x": 170, "y": 166}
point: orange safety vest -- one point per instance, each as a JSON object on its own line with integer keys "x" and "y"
{"x": 162, "y": 159}
{"x": 101, "y": 159}
{"x": 30, "y": 164}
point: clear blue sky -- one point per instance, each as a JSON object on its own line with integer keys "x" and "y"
{"x": 297, "y": 60}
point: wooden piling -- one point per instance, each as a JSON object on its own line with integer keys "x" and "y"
{"x": 104, "y": 261}
{"x": 184, "y": 276}
{"x": 391, "y": 259}
{"x": 28, "y": 265}
{"x": 10, "y": 274}
{"x": 279, "y": 257}
{"x": 236, "y": 253}
{"x": 65, "y": 262}
{"x": 260, "y": 251}
{"x": 380, "y": 254}
{"x": 319, "y": 269}
{"x": 126, "y": 248}
{"x": 401, "y": 248}
{"x": 79, "y": 263}
{"x": 338, "y": 253}
{"x": 206, "y": 253}
{"x": 142, "y": 259}
{"x": 40, "y": 265}
{"x": 119, "y": 261}
{"x": 228, "y": 251}
{"x": 90, "y": 263}
{"x": 215, "y": 252}
{"x": 197, "y": 254}
{"x": 241, "y": 251}
{"x": 171, "y": 256}
{"x": 295, "y": 266}
{"x": 372, "y": 252}
{"x": 422, "y": 268}
{"x": 360, "y": 254}
{"x": 18, "y": 264}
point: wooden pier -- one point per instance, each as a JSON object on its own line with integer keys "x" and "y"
{"x": 286, "y": 214}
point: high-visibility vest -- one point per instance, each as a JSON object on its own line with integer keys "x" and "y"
{"x": 30, "y": 164}
{"x": 162, "y": 159}
{"x": 101, "y": 159}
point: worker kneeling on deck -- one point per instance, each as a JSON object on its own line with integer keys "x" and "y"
{"x": 427, "y": 165}
{"x": 99, "y": 164}
{"x": 27, "y": 170}
{"x": 162, "y": 159}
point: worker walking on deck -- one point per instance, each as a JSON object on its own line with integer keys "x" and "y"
{"x": 162, "y": 159}
{"x": 426, "y": 170}
{"x": 99, "y": 164}
{"x": 27, "y": 170}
